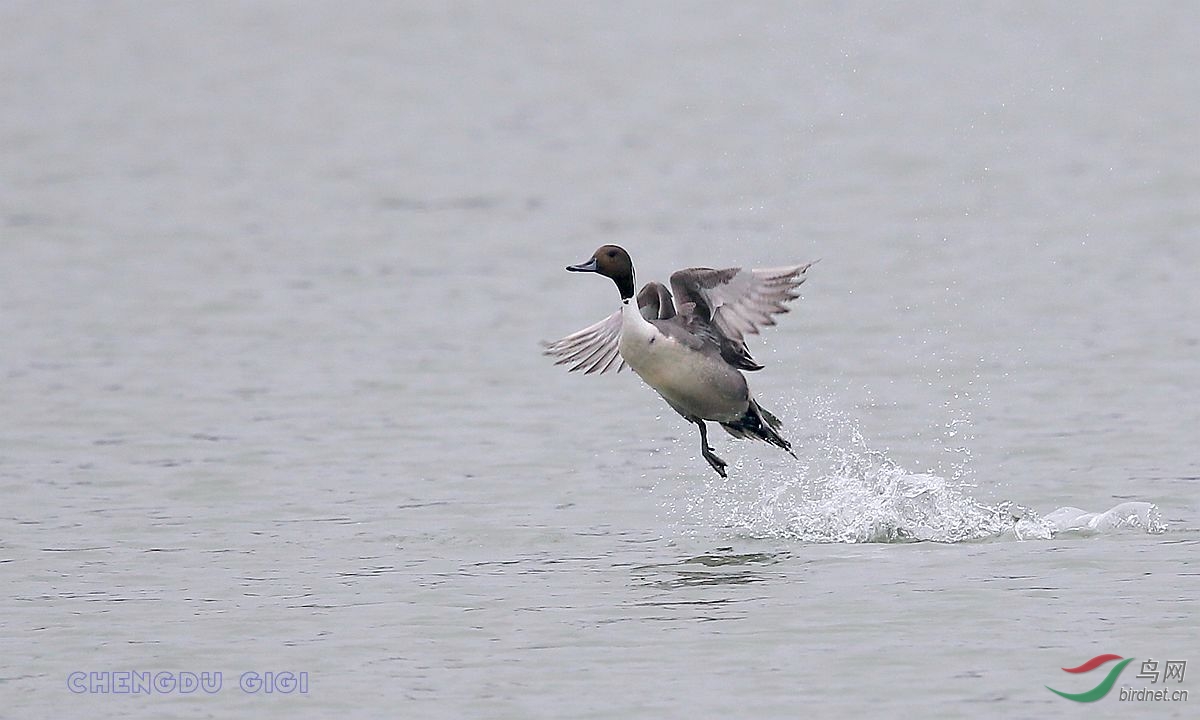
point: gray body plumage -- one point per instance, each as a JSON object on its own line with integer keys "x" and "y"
{"x": 688, "y": 343}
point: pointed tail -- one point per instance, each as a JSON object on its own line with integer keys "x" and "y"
{"x": 758, "y": 424}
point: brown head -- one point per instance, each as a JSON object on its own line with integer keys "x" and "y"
{"x": 611, "y": 261}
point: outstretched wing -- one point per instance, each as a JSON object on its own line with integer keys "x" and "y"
{"x": 737, "y": 301}
{"x": 593, "y": 348}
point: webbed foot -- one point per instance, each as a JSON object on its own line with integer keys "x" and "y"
{"x": 717, "y": 463}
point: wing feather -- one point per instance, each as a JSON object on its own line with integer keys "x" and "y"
{"x": 594, "y": 349}
{"x": 739, "y": 302}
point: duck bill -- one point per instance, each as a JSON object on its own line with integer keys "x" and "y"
{"x": 589, "y": 266}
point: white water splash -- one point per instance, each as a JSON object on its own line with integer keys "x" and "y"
{"x": 846, "y": 492}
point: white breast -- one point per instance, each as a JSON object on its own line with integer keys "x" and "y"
{"x": 695, "y": 383}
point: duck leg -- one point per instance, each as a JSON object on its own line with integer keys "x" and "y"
{"x": 717, "y": 463}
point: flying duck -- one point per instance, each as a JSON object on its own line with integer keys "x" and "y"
{"x": 689, "y": 347}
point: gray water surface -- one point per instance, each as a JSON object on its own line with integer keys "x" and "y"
{"x": 273, "y": 277}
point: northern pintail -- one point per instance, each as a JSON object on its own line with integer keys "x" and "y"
{"x": 692, "y": 353}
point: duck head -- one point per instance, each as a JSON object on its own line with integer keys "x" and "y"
{"x": 611, "y": 261}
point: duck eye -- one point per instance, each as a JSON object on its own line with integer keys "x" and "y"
{"x": 612, "y": 253}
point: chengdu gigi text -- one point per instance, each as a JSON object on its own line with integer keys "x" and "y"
{"x": 147, "y": 682}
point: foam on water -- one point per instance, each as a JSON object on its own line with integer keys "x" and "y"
{"x": 846, "y": 492}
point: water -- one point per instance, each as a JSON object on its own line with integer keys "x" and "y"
{"x": 272, "y": 279}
